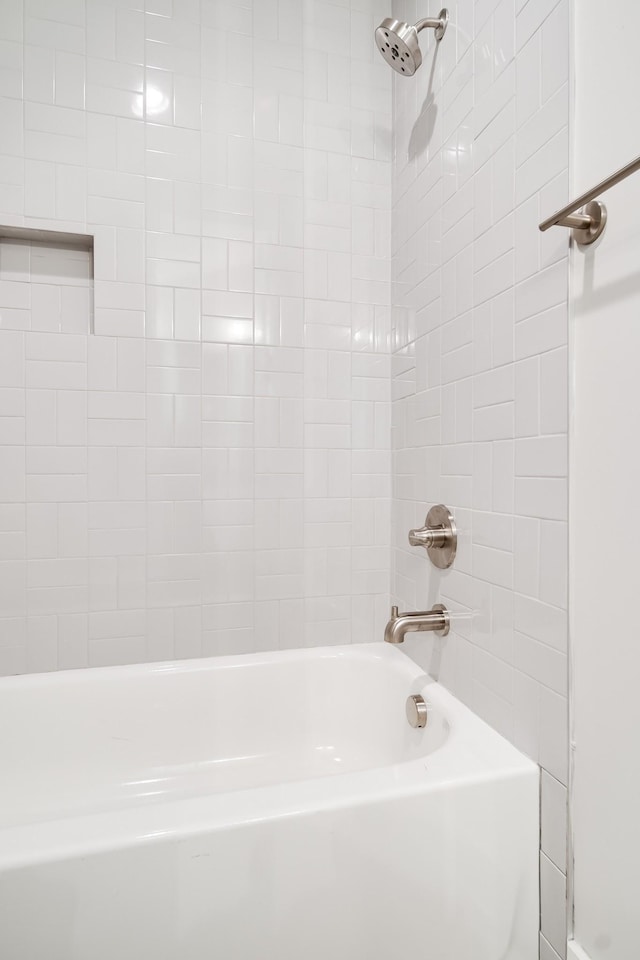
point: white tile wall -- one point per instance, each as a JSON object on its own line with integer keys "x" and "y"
{"x": 479, "y": 366}
{"x": 209, "y": 471}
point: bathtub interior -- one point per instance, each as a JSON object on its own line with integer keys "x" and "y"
{"x": 93, "y": 740}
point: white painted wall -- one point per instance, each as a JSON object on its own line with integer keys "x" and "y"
{"x": 209, "y": 472}
{"x": 481, "y": 152}
{"x": 605, "y": 506}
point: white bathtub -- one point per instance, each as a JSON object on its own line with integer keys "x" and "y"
{"x": 264, "y": 807}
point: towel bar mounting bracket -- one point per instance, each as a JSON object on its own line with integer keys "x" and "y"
{"x": 587, "y": 225}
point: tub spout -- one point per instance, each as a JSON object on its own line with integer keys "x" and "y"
{"x": 436, "y": 620}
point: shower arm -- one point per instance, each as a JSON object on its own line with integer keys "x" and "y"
{"x": 432, "y": 22}
{"x": 439, "y": 23}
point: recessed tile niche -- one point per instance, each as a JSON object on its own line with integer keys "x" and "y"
{"x": 46, "y": 281}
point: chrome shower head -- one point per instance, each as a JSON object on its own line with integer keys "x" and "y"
{"x": 398, "y": 41}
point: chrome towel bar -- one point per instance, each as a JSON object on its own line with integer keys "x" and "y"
{"x": 589, "y": 224}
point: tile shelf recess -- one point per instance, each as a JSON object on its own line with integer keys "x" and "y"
{"x": 46, "y": 281}
{"x": 36, "y": 235}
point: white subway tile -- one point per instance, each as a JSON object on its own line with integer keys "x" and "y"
{"x": 542, "y": 457}
{"x": 554, "y": 820}
{"x": 543, "y": 497}
{"x": 554, "y": 391}
{"x": 553, "y": 905}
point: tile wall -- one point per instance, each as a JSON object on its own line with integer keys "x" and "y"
{"x": 203, "y": 465}
{"x": 479, "y": 344}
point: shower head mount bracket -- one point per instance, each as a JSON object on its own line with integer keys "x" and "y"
{"x": 439, "y": 24}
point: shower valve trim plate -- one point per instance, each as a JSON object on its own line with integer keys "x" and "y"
{"x": 438, "y": 536}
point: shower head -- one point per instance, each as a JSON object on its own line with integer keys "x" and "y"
{"x": 398, "y": 41}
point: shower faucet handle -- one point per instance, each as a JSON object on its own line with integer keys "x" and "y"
{"x": 438, "y": 536}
